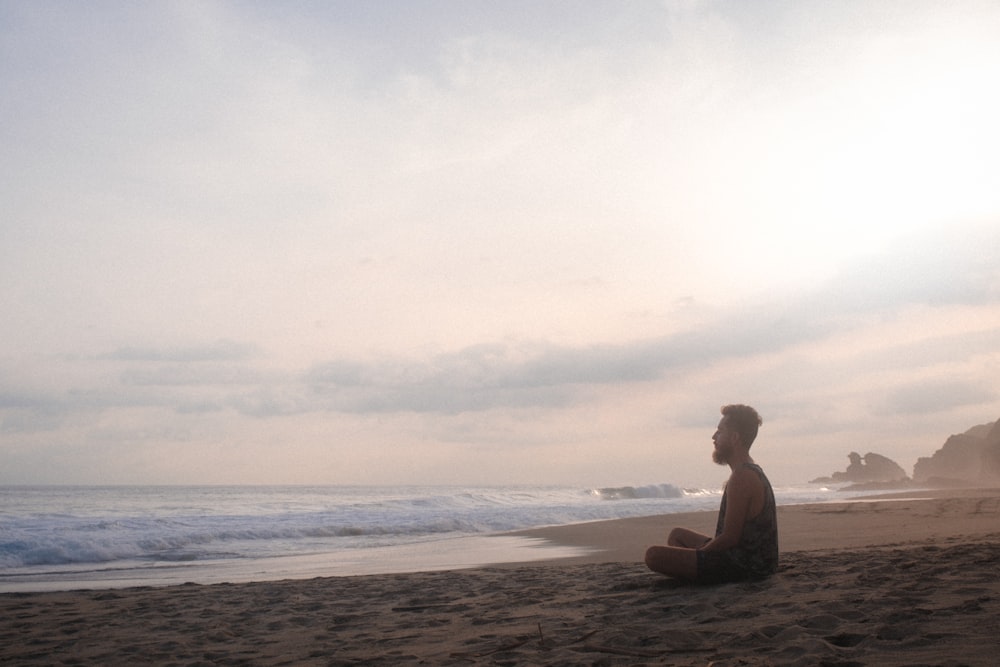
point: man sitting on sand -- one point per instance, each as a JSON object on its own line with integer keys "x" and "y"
{"x": 745, "y": 545}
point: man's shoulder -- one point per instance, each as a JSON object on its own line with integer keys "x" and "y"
{"x": 747, "y": 476}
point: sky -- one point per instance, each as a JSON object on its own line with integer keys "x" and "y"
{"x": 472, "y": 242}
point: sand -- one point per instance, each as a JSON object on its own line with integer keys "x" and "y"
{"x": 881, "y": 582}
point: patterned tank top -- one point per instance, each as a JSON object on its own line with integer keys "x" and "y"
{"x": 757, "y": 551}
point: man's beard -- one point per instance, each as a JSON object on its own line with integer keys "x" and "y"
{"x": 720, "y": 457}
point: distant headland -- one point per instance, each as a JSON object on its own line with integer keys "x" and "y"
{"x": 967, "y": 459}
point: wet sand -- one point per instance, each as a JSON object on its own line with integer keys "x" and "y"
{"x": 887, "y": 581}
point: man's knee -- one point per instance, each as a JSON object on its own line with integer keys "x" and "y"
{"x": 654, "y": 558}
{"x": 689, "y": 539}
{"x": 672, "y": 561}
{"x": 684, "y": 537}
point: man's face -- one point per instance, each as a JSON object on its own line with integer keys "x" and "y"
{"x": 725, "y": 441}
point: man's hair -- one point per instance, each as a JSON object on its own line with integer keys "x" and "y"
{"x": 744, "y": 420}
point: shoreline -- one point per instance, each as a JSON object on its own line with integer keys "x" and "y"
{"x": 889, "y": 519}
{"x": 806, "y": 526}
{"x": 887, "y": 581}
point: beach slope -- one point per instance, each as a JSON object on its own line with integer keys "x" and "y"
{"x": 925, "y": 592}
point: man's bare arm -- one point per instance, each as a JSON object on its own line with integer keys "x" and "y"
{"x": 742, "y": 489}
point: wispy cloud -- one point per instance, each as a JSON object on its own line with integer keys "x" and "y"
{"x": 227, "y": 374}
{"x": 222, "y": 350}
{"x": 938, "y": 395}
{"x": 449, "y": 224}
{"x": 487, "y": 376}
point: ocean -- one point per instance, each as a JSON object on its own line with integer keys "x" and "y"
{"x": 66, "y": 537}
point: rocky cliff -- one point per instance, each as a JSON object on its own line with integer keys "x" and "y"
{"x": 868, "y": 468}
{"x": 970, "y": 457}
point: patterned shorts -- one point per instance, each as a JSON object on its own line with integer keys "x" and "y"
{"x": 716, "y": 567}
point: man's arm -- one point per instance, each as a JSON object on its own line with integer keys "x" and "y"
{"x": 743, "y": 491}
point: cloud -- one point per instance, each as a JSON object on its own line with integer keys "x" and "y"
{"x": 183, "y": 375}
{"x": 221, "y": 350}
{"x": 938, "y": 395}
{"x": 935, "y": 272}
{"x": 480, "y": 377}
{"x": 511, "y": 375}
{"x": 274, "y": 400}
{"x": 954, "y": 265}
{"x": 436, "y": 214}
{"x": 199, "y": 379}
{"x": 74, "y": 388}
{"x": 933, "y": 350}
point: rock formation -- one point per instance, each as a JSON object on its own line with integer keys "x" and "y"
{"x": 868, "y": 468}
{"x": 991, "y": 453}
{"x": 970, "y": 457}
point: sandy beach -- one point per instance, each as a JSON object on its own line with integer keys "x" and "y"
{"x": 891, "y": 580}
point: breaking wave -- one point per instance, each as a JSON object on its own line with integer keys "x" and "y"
{"x": 636, "y": 492}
